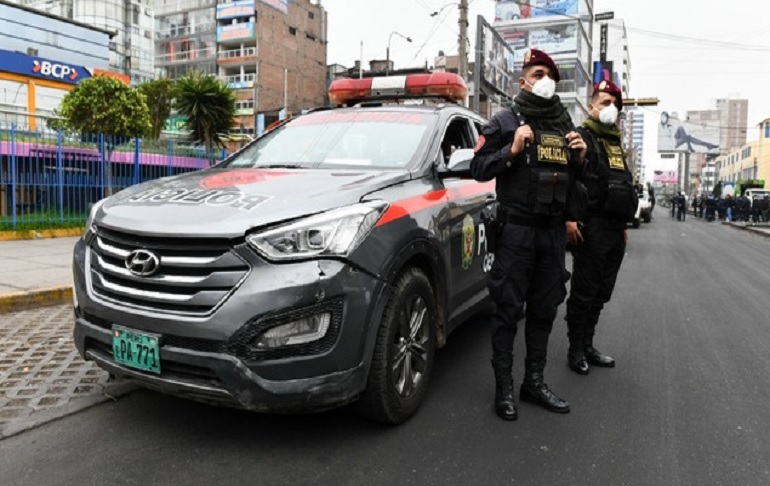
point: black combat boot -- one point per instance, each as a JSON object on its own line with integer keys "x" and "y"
{"x": 534, "y": 390}
{"x": 576, "y": 358}
{"x": 505, "y": 407}
{"x": 596, "y": 358}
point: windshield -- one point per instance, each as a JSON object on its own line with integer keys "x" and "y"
{"x": 376, "y": 139}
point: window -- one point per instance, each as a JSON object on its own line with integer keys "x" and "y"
{"x": 310, "y": 15}
{"x": 457, "y": 136}
{"x": 767, "y": 130}
{"x": 293, "y": 30}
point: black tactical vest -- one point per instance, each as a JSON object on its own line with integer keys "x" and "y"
{"x": 609, "y": 182}
{"x": 538, "y": 180}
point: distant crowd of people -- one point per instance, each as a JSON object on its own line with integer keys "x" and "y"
{"x": 728, "y": 208}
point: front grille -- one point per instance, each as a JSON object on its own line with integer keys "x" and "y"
{"x": 194, "y": 276}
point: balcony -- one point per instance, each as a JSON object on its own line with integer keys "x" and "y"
{"x": 240, "y": 82}
{"x": 237, "y": 56}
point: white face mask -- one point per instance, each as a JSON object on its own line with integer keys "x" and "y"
{"x": 609, "y": 114}
{"x": 544, "y": 87}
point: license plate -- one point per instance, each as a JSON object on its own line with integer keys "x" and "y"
{"x": 136, "y": 349}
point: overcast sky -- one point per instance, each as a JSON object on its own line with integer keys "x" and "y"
{"x": 718, "y": 49}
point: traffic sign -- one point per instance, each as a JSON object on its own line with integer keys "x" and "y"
{"x": 604, "y": 16}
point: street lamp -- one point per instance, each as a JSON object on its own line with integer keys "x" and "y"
{"x": 387, "y": 53}
{"x": 437, "y": 12}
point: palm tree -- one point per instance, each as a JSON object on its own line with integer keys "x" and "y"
{"x": 207, "y": 104}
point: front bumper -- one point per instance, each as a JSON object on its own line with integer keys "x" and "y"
{"x": 210, "y": 358}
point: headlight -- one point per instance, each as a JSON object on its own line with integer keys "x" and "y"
{"x": 92, "y": 214}
{"x": 334, "y": 233}
{"x": 301, "y": 331}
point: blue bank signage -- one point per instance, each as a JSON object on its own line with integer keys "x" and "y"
{"x": 38, "y": 67}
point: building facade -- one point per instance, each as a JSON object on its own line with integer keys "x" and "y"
{"x": 611, "y": 59}
{"x": 749, "y": 161}
{"x": 564, "y": 30}
{"x": 633, "y": 130}
{"x": 131, "y": 50}
{"x": 42, "y": 57}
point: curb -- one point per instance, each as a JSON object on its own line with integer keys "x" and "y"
{"x": 40, "y": 234}
{"x": 751, "y": 229}
{"x": 17, "y": 301}
{"x": 110, "y": 393}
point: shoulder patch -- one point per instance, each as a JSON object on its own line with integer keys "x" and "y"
{"x": 480, "y": 143}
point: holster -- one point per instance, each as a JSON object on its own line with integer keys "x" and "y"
{"x": 494, "y": 227}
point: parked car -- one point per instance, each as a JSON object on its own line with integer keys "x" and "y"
{"x": 323, "y": 264}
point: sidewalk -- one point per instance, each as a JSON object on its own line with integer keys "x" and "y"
{"x": 761, "y": 229}
{"x": 42, "y": 377}
{"x": 35, "y": 273}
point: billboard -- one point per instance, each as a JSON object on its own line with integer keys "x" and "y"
{"x": 280, "y": 5}
{"x": 244, "y": 30}
{"x": 666, "y": 177}
{"x": 506, "y": 10}
{"x": 238, "y": 8}
{"x": 497, "y": 59}
{"x": 675, "y": 135}
{"x": 555, "y": 39}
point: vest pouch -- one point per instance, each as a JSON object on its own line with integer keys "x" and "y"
{"x": 621, "y": 200}
{"x": 561, "y": 187}
{"x": 545, "y": 188}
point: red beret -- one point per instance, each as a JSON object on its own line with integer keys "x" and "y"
{"x": 610, "y": 88}
{"x": 536, "y": 57}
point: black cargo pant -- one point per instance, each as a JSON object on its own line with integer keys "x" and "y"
{"x": 528, "y": 269}
{"x": 595, "y": 266}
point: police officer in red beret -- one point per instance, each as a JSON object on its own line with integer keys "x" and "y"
{"x": 600, "y": 241}
{"x": 533, "y": 152}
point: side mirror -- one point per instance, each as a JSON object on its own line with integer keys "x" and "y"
{"x": 459, "y": 164}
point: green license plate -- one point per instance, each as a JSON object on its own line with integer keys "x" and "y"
{"x": 136, "y": 349}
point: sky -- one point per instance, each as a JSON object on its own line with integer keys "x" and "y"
{"x": 687, "y": 53}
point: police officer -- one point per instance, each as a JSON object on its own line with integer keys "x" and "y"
{"x": 532, "y": 150}
{"x": 601, "y": 244}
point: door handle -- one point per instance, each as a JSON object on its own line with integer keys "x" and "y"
{"x": 491, "y": 199}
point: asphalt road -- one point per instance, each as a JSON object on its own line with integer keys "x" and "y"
{"x": 687, "y": 404}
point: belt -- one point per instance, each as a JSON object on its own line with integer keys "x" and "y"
{"x": 536, "y": 221}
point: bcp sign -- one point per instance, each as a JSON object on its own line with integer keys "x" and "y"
{"x": 54, "y": 70}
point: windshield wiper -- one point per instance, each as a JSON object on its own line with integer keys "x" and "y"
{"x": 279, "y": 166}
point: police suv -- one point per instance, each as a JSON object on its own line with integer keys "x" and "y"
{"x": 323, "y": 264}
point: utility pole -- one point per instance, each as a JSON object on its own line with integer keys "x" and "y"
{"x": 463, "y": 47}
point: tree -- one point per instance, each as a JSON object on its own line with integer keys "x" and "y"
{"x": 158, "y": 95}
{"x": 103, "y": 105}
{"x": 208, "y": 105}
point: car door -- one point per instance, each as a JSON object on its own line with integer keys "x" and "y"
{"x": 468, "y": 256}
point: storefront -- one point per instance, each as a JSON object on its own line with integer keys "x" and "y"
{"x": 32, "y": 87}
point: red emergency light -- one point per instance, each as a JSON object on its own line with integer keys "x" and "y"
{"x": 448, "y": 86}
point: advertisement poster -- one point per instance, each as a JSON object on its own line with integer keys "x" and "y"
{"x": 666, "y": 177}
{"x": 675, "y": 135}
{"x": 498, "y": 61}
{"x": 244, "y": 30}
{"x": 280, "y": 5}
{"x": 557, "y": 39}
{"x": 238, "y": 8}
{"x": 548, "y": 8}
{"x": 519, "y": 43}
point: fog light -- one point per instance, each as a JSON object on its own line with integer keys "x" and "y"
{"x": 301, "y": 331}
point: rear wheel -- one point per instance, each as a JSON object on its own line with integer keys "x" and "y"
{"x": 403, "y": 352}
{"x": 637, "y": 222}
{"x": 647, "y": 217}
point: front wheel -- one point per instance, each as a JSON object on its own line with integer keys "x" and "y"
{"x": 637, "y": 223}
{"x": 403, "y": 352}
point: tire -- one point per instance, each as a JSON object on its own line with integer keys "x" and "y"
{"x": 637, "y": 223}
{"x": 403, "y": 353}
{"x": 647, "y": 217}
